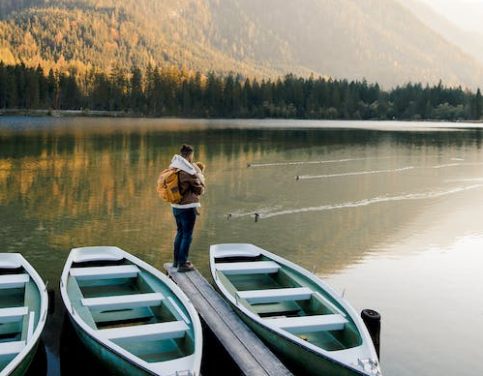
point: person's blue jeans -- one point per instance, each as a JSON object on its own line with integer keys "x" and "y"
{"x": 185, "y": 222}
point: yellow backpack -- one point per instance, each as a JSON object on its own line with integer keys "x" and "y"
{"x": 168, "y": 186}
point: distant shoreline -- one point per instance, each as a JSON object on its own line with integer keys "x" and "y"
{"x": 67, "y": 113}
{"x": 123, "y": 114}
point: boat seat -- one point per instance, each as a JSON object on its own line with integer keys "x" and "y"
{"x": 10, "y": 263}
{"x": 123, "y": 301}
{"x": 97, "y": 253}
{"x": 235, "y": 250}
{"x": 105, "y": 272}
{"x": 254, "y": 267}
{"x": 305, "y": 324}
{"x": 12, "y": 314}
{"x": 160, "y": 331}
{"x": 275, "y": 295}
{"x": 11, "y": 348}
{"x": 10, "y": 281}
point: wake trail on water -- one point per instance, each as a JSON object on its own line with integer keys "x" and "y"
{"x": 240, "y": 214}
{"x": 401, "y": 169}
{"x": 328, "y": 161}
{"x": 307, "y": 177}
{"x": 457, "y": 165}
{"x": 369, "y": 201}
{"x": 301, "y": 162}
{"x": 297, "y": 163}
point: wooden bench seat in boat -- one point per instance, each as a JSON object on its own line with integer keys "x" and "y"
{"x": 11, "y": 348}
{"x": 237, "y": 252}
{"x": 306, "y": 324}
{"x": 275, "y": 295}
{"x": 160, "y": 331}
{"x": 98, "y": 253}
{"x": 124, "y": 301}
{"x": 105, "y": 272}
{"x": 254, "y": 267}
{"x": 10, "y": 281}
{"x": 12, "y": 314}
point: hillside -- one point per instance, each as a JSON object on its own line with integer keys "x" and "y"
{"x": 377, "y": 40}
{"x": 471, "y": 42}
{"x": 466, "y": 14}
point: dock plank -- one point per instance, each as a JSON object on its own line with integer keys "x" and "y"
{"x": 246, "y": 349}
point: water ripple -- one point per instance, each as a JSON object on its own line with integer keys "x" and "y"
{"x": 370, "y": 201}
{"x": 306, "y": 177}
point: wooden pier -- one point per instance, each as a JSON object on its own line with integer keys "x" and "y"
{"x": 252, "y": 357}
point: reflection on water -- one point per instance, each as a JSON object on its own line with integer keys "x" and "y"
{"x": 329, "y": 196}
{"x": 433, "y": 308}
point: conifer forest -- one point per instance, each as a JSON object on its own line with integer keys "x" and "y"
{"x": 173, "y": 91}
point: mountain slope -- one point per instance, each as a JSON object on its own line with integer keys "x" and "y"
{"x": 466, "y": 14}
{"x": 470, "y": 42}
{"x": 377, "y": 40}
{"x": 374, "y": 39}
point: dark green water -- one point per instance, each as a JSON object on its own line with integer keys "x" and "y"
{"x": 388, "y": 213}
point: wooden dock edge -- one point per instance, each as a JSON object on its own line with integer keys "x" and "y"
{"x": 245, "y": 348}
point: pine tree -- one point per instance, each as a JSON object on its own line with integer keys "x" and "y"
{"x": 3, "y": 85}
{"x": 478, "y": 105}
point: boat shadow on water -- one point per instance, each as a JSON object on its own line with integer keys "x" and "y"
{"x": 38, "y": 367}
{"x": 75, "y": 358}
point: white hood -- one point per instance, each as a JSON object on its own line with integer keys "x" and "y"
{"x": 179, "y": 162}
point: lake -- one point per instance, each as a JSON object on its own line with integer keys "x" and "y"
{"x": 387, "y": 213}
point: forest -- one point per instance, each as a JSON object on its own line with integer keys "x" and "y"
{"x": 172, "y": 91}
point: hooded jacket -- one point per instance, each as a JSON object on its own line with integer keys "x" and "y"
{"x": 191, "y": 186}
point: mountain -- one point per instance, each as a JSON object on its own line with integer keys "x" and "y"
{"x": 377, "y": 40}
{"x": 467, "y": 14}
{"x": 468, "y": 39}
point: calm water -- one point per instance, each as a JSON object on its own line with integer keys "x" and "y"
{"x": 388, "y": 213}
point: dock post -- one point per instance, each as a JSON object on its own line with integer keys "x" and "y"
{"x": 372, "y": 319}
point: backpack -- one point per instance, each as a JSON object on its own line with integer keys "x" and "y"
{"x": 168, "y": 186}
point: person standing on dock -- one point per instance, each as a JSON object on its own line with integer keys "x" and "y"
{"x": 192, "y": 186}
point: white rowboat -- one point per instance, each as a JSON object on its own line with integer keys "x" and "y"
{"x": 299, "y": 317}
{"x": 130, "y": 315}
{"x": 23, "y": 312}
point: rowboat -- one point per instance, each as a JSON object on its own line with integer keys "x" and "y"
{"x": 129, "y": 314}
{"x": 296, "y": 314}
{"x": 23, "y": 312}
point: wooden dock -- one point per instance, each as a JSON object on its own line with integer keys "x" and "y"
{"x": 252, "y": 357}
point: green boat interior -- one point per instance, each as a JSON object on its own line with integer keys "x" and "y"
{"x": 130, "y": 307}
{"x": 19, "y": 307}
{"x": 290, "y": 300}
